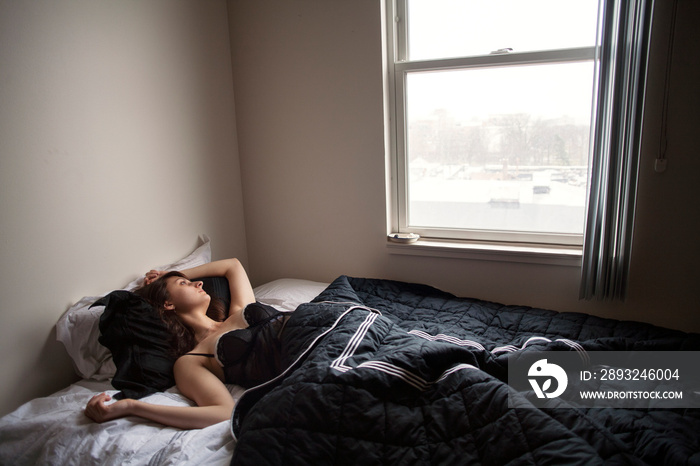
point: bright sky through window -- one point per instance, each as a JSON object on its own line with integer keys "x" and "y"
{"x": 452, "y": 28}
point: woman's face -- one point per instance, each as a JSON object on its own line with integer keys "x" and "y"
{"x": 186, "y": 295}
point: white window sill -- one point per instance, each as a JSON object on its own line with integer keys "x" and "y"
{"x": 502, "y": 252}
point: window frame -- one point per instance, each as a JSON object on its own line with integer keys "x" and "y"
{"x": 398, "y": 69}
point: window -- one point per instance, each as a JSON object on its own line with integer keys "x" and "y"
{"x": 492, "y": 103}
{"x": 520, "y": 121}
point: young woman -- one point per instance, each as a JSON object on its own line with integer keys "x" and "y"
{"x": 199, "y": 374}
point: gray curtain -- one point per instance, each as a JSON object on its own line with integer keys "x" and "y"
{"x": 623, "y": 38}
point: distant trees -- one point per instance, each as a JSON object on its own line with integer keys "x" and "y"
{"x": 516, "y": 139}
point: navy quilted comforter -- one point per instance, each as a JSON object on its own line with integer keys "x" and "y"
{"x": 383, "y": 372}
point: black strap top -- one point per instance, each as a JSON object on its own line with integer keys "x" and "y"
{"x": 251, "y": 356}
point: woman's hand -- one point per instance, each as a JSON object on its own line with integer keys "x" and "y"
{"x": 151, "y": 276}
{"x": 99, "y": 411}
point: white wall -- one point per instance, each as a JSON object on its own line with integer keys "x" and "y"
{"x": 117, "y": 149}
{"x": 308, "y": 84}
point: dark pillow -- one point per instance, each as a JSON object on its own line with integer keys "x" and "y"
{"x": 217, "y": 287}
{"x": 140, "y": 342}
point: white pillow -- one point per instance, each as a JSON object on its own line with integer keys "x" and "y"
{"x": 78, "y": 328}
{"x": 286, "y": 294}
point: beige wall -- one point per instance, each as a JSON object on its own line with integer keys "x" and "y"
{"x": 308, "y": 85}
{"x": 117, "y": 149}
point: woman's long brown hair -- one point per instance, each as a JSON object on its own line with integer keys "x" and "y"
{"x": 183, "y": 337}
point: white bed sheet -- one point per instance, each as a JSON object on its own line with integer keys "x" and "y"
{"x": 54, "y": 430}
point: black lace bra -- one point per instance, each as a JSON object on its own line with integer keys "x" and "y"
{"x": 251, "y": 356}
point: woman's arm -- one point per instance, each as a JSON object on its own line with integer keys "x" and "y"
{"x": 182, "y": 417}
{"x": 214, "y": 402}
{"x": 240, "y": 287}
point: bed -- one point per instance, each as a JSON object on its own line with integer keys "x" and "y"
{"x": 53, "y": 430}
{"x": 377, "y": 372}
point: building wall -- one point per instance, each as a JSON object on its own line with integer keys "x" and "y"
{"x": 308, "y": 85}
{"x": 117, "y": 149}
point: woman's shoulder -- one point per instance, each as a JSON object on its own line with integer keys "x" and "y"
{"x": 204, "y": 347}
{"x": 200, "y": 355}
